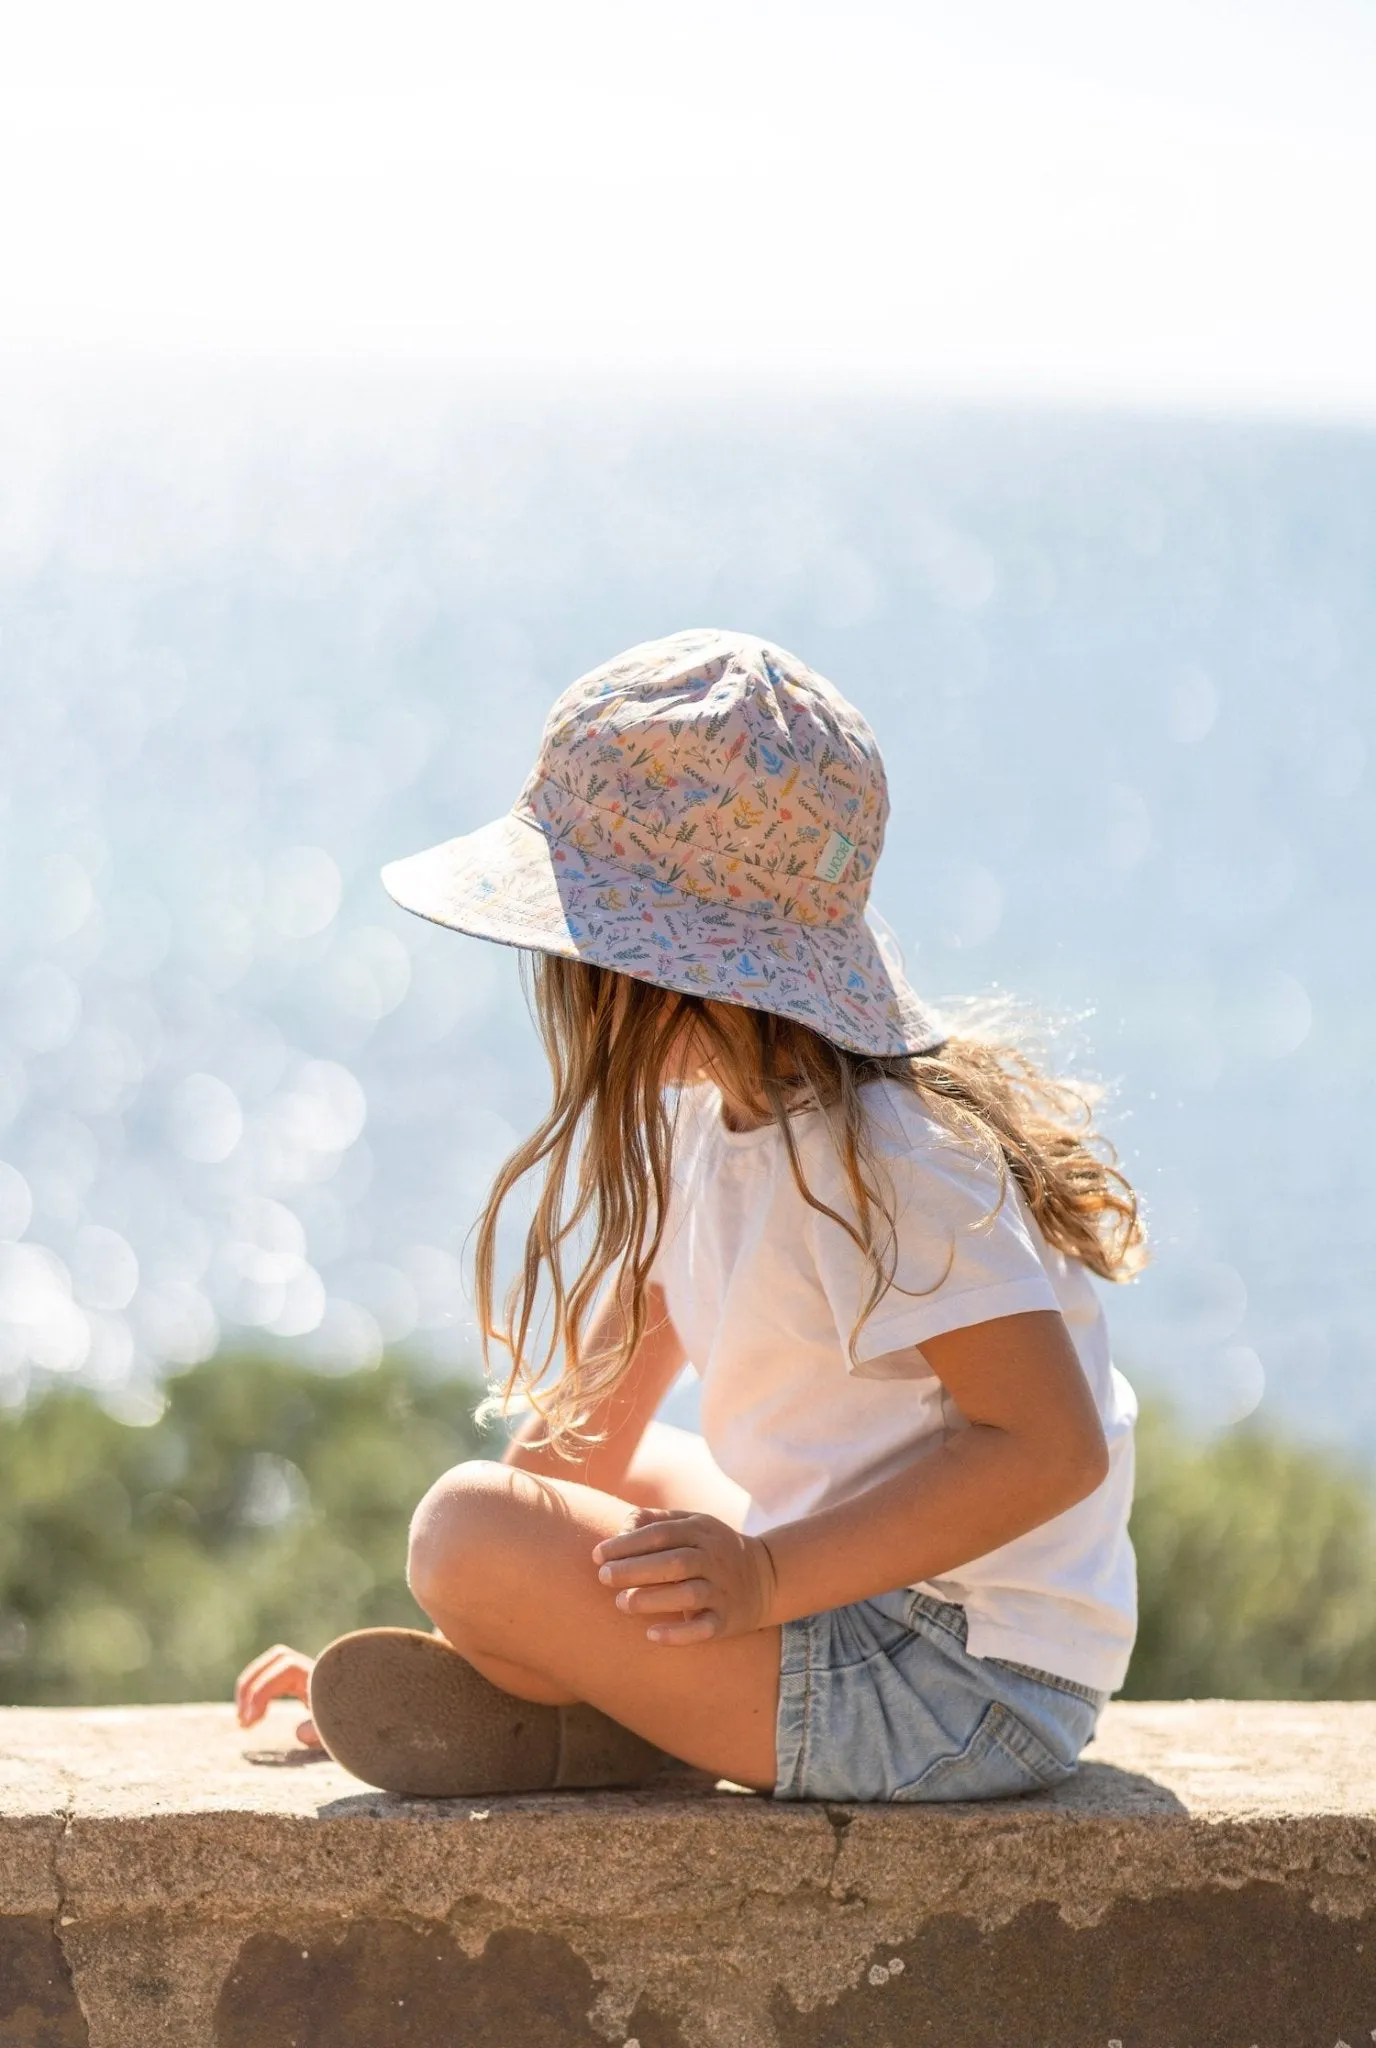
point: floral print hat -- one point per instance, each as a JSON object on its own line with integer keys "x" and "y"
{"x": 705, "y": 814}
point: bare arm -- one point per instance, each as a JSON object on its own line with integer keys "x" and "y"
{"x": 623, "y": 1418}
{"x": 1035, "y": 1446}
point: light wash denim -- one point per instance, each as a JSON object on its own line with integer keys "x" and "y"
{"x": 882, "y": 1700}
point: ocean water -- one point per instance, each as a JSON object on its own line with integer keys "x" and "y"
{"x": 258, "y": 637}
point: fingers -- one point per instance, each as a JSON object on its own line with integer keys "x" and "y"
{"x": 653, "y": 1568}
{"x": 665, "y": 1533}
{"x": 700, "y": 1629}
{"x": 281, "y": 1673}
{"x": 260, "y": 1664}
{"x": 306, "y": 1735}
{"x": 657, "y": 1565}
{"x": 685, "y": 1596}
{"x": 251, "y": 1671}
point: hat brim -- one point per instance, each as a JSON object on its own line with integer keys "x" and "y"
{"x": 507, "y": 882}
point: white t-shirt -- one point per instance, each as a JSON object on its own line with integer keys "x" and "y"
{"x": 764, "y": 1292}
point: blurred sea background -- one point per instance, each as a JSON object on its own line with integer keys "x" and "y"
{"x": 260, "y": 636}
{"x": 363, "y": 381}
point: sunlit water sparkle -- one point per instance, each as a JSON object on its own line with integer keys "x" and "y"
{"x": 256, "y": 641}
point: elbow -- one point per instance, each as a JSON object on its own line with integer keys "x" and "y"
{"x": 1086, "y": 1472}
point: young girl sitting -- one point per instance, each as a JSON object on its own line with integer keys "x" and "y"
{"x": 896, "y": 1563}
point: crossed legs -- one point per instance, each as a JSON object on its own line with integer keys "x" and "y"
{"x": 501, "y": 1561}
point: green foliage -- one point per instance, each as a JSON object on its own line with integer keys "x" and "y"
{"x": 270, "y": 1504}
{"x": 1256, "y": 1562}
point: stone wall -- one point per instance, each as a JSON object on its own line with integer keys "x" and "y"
{"x": 1208, "y": 1880}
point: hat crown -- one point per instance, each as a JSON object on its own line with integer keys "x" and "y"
{"x": 704, "y": 815}
{"x": 721, "y": 745}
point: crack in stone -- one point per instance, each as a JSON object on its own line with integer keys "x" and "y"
{"x": 838, "y": 1820}
{"x": 62, "y": 1919}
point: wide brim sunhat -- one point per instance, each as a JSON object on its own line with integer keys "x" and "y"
{"x": 705, "y": 815}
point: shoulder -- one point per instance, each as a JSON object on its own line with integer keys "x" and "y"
{"x": 897, "y": 1115}
{"x": 901, "y": 1128}
{"x": 930, "y": 1166}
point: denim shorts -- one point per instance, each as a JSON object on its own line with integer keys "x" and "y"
{"x": 882, "y": 1700}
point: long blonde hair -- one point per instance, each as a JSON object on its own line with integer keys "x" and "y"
{"x": 606, "y": 1150}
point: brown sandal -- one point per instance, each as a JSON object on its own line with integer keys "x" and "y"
{"x": 405, "y": 1712}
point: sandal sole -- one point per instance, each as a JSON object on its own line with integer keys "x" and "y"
{"x": 404, "y": 1712}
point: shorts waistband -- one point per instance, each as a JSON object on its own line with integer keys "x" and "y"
{"x": 951, "y": 1616}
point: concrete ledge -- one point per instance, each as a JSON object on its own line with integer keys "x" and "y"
{"x": 1208, "y": 1880}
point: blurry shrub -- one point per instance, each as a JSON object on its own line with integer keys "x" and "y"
{"x": 271, "y": 1504}
{"x": 1256, "y": 1561}
{"x": 268, "y": 1503}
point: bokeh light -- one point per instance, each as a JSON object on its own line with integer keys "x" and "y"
{"x": 1120, "y": 673}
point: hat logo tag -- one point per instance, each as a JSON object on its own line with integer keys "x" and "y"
{"x": 834, "y": 858}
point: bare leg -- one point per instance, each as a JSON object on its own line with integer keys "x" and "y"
{"x": 671, "y": 1468}
{"x": 501, "y": 1561}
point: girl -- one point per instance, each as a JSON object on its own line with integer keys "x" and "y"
{"x": 896, "y": 1563}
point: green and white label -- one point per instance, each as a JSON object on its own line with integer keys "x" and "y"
{"x": 834, "y": 858}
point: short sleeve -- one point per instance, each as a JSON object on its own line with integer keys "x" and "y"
{"x": 942, "y": 1188}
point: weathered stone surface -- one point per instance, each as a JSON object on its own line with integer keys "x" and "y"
{"x": 1191, "y": 1969}
{"x": 38, "y": 2007}
{"x": 34, "y": 1793}
{"x": 385, "y": 1981}
{"x": 1207, "y": 1881}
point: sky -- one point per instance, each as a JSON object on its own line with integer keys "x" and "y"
{"x": 1164, "y": 205}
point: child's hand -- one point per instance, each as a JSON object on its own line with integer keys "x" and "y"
{"x": 279, "y": 1674}
{"x": 702, "y": 1576}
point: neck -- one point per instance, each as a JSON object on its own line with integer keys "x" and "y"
{"x": 740, "y": 1115}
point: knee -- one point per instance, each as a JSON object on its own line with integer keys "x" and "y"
{"x": 460, "y": 1535}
